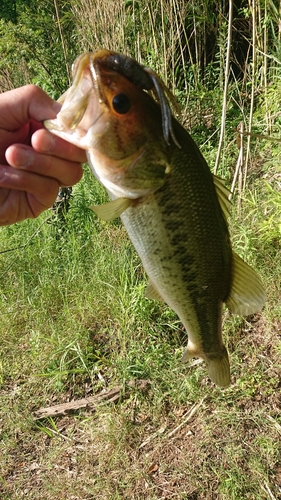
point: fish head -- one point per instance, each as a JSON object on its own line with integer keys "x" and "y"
{"x": 118, "y": 123}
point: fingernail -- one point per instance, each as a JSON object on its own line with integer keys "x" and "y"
{"x": 56, "y": 107}
{"x": 22, "y": 158}
{"x": 47, "y": 143}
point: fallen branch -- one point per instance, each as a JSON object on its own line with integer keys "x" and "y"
{"x": 89, "y": 403}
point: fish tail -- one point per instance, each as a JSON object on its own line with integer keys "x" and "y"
{"x": 218, "y": 366}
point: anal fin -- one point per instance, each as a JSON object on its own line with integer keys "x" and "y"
{"x": 151, "y": 293}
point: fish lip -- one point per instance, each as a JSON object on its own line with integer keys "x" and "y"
{"x": 85, "y": 89}
{"x": 79, "y": 136}
{"x": 96, "y": 78}
{"x": 69, "y": 123}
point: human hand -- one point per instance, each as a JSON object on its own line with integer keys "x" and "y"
{"x": 33, "y": 162}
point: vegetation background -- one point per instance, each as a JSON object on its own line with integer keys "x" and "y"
{"x": 74, "y": 320}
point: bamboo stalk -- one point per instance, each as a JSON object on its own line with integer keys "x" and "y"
{"x": 239, "y": 164}
{"x": 164, "y": 45}
{"x": 153, "y": 32}
{"x": 195, "y": 37}
{"x": 265, "y": 70}
{"x": 62, "y": 41}
{"x": 253, "y": 90}
{"x": 177, "y": 13}
{"x": 240, "y": 175}
{"x": 227, "y": 71}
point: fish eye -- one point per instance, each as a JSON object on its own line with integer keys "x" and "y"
{"x": 121, "y": 103}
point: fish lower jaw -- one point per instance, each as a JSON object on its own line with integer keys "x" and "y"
{"x": 75, "y": 136}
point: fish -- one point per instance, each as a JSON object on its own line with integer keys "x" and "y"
{"x": 174, "y": 209}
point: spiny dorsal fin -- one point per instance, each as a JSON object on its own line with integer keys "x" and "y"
{"x": 113, "y": 209}
{"x": 222, "y": 194}
{"x": 247, "y": 295}
{"x": 151, "y": 293}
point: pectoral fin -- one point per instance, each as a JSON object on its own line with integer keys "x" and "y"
{"x": 113, "y": 209}
{"x": 247, "y": 295}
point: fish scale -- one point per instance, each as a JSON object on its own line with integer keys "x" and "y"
{"x": 173, "y": 208}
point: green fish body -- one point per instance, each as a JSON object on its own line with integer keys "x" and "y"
{"x": 173, "y": 208}
{"x": 182, "y": 239}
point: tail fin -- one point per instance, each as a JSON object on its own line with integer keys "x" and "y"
{"x": 218, "y": 367}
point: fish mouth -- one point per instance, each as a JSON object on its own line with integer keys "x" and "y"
{"x": 81, "y": 119}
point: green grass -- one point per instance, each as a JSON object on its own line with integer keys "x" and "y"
{"x": 74, "y": 321}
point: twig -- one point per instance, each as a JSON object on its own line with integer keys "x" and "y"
{"x": 269, "y": 56}
{"x": 268, "y": 491}
{"x": 190, "y": 415}
{"x": 171, "y": 433}
{"x": 86, "y": 403}
{"x": 153, "y": 436}
{"x": 261, "y": 136}
{"x": 57, "y": 433}
{"x": 276, "y": 425}
{"x": 239, "y": 162}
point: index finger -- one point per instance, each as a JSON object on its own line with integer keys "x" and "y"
{"x": 25, "y": 103}
{"x": 45, "y": 142}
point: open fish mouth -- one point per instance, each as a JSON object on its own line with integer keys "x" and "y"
{"x": 80, "y": 117}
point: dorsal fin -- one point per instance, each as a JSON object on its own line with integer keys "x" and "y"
{"x": 247, "y": 294}
{"x": 222, "y": 194}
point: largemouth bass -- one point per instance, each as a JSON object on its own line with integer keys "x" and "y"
{"x": 173, "y": 208}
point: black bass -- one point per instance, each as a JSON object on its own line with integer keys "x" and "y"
{"x": 173, "y": 208}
